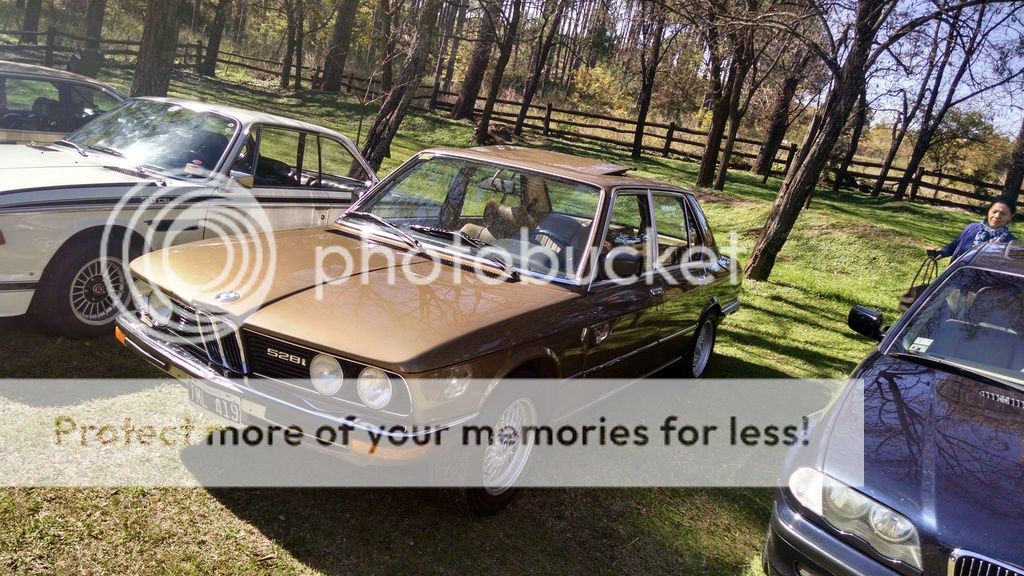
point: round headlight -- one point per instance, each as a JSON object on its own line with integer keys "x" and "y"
{"x": 845, "y": 501}
{"x": 141, "y": 291}
{"x": 374, "y": 387}
{"x": 158, "y": 308}
{"x": 889, "y": 525}
{"x": 326, "y": 375}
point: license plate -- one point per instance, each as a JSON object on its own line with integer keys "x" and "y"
{"x": 225, "y": 405}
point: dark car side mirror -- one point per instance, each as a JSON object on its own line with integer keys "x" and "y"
{"x": 866, "y": 321}
{"x": 620, "y": 264}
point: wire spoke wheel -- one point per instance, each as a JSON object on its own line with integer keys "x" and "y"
{"x": 91, "y": 301}
{"x": 505, "y": 458}
{"x": 702, "y": 347}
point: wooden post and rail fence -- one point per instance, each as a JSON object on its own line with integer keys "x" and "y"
{"x": 666, "y": 140}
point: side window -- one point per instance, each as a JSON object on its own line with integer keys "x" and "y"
{"x": 628, "y": 224}
{"x": 673, "y": 233}
{"x": 278, "y": 159}
{"x": 699, "y": 224}
{"x": 87, "y": 103}
{"x": 33, "y": 105}
{"x": 339, "y": 166}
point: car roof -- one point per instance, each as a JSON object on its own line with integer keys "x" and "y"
{"x": 249, "y": 116}
{"x": 588, "y": 170}
{"x": 33, "y": 70}
{"x": 1000, "y": 257}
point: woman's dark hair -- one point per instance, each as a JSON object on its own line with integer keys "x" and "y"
{"x": 1006, "y": 201}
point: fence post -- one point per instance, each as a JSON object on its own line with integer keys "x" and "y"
{"x": 51, "y": 42}
{"x": 668, "y": 139}
{"x": 351, "y": 81}
{"x": 199, "y": 57}
{"x": 789, "y": 158}
{"x": 915, "y": 184}
{"x": 547, "y": 119}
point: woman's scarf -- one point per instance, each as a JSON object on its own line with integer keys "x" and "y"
{"x": 987, "y": 233}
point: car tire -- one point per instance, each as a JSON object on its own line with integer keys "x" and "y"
{"x": 700, "y": 347}
{"x": 500, "y": 464}
{"x": 72, "y": 300}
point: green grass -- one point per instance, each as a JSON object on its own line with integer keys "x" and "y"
{"x": 846, "y": 249}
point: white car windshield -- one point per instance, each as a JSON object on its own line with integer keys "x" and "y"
{"x": 160, "y": 136}
{"x": 976, "y": 320}
{"x": 535, "y": 223}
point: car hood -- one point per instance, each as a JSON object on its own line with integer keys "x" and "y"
{"x": 947, "y": 451}
{"x": 423, "y": 317}
{"x": 28, "y": 167}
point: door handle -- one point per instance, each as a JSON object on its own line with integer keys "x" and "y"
{"x": 657, "y": 291}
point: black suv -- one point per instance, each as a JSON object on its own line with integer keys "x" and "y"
{"x": 942, "y": 484}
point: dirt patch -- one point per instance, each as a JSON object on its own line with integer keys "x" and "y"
{"x": 705, "y": 195}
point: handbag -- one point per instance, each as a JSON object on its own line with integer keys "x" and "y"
{"x": 926, "y": 274}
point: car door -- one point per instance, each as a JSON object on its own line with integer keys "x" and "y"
{"x": 682, "y": 268}
{"x": 30, "y": 110}
{"x": 344, "y": 176}
{"x": 626, "y": 310}
{"x": 282, "y": 163}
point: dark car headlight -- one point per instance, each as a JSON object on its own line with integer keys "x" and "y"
{"x": 886, "y": 531}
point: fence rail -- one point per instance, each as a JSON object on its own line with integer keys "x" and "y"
{"x": 666, "y": 140}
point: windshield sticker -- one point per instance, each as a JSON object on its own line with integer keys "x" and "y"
{"x": 195, "y": 168}
{"x": 921, "y": 345}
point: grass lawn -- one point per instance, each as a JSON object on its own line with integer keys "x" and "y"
{"x": 846, "y": 249}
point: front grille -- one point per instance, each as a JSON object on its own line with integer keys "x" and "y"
{"x": 969, "y": 565}
{"x": 290, "y": 363}
{"x": 209, "y": 335}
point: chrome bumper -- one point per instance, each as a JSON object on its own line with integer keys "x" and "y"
{"x": 260, "y": 409}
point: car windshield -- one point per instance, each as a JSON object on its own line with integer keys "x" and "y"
{"x": 534, "y": 223}
{"x": 161, "y": 136}
{"x": 976, "y": 320}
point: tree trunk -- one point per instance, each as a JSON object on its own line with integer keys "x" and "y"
{"x": 334, "y": 67}
{"x": 504, "y": 54}
{"x": 474, "y": 79}
{"x": 289, "y": 52}
{"x": 777, "y": 128}
{"x": 94, "y": 23}
{"x": 397, "y": 100}
{"x": 156, "y": 54}
{"x": 745, "y": 58}
{"x": 33, "y": 9}
{"x": 649, "y": 67}
{"x": 1015, "y": 171}
{"x": 859, "y": 118}
{"x": 209, "y": 65}
{"x": 442, "y": 52}
{"x": 300, "y": 40}
{"x": 386, "y": 27}
{"x": 537, "y": 65}
{"x": 719, "y": 116}
{"x": 460, "y": 23}
{"x": 803, "y": 177}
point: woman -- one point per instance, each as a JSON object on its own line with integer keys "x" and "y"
{"x": 993, "y": 228}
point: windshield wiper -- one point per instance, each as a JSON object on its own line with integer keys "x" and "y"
{"x": 107, "y": 150}
{"x": 412, "y": 242}
{"x": 958, "y": 368}
{"x": 70, "y": 144}
{"x": 476, "y": 243}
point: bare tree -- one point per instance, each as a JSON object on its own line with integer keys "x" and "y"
{"x": 220, "y": 18}
{"x": 341, "y": 40}
{"x": 505, "y": 44}
{"x": 1015, "y": 172}
{"x": 465, "y": 105}
{"x": 396, "y": 101}
{"x": 156, "y": 54}
{"x": 460, "y": 22}
{"x": 650, "y": 56}
{"x": 545, "y": 39}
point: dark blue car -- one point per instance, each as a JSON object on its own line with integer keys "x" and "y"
{"x": 943, "y": 469}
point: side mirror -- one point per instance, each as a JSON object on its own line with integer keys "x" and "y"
{"x": 244, "y": 179}
{"x": 866, "y": 321}
{"x": 620, "y": 264}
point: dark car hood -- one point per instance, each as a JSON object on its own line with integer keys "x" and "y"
{"x": 948, "y": 452}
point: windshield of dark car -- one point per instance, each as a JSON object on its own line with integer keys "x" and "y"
{"x": 974, "y": 319}
{"x": 160, "y": 136}
{"x": 536, "y": 223}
